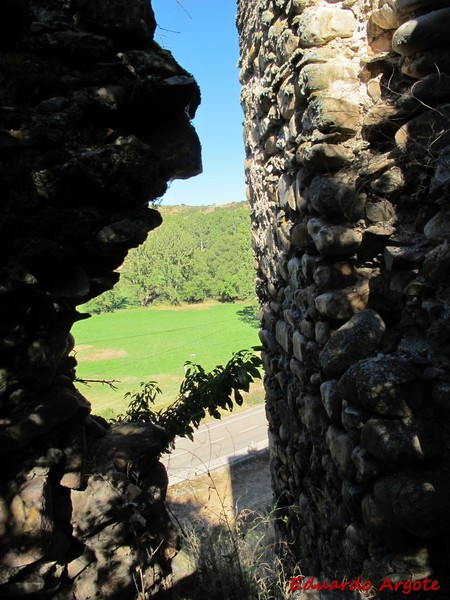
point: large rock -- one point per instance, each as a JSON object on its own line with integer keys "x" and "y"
{"x": 286, "y": 192}
{"x": 409, "y": 6}
{"x": 318, "y": 25}
{"x": 422, "y": 33}
{"x": 341, "y": 447}
{"x": 437, "y": 263}
{"x": 334, "y": 240}
{"x": 379, "y": 212}
{"x": 334, "y": 274}
{"x": 331, "y": 400}
{"x": 357, "y": 339}
{"x": 341, "y": 305}
{"x": 299, "y": 343}
{"x": 417, "y": 502}
{"x": 127, "y": 444}
{"x": 437, "y": 230}
{"x": 319, "y": 76}
{"x": 384, "y": 527}
{"x": 335, "y": 197}
{"x": 324, "y": 157}
{"x": 95, "y": 121}
{"x": 386, "y": 17}
{"x": 287, "y": 99}
{"x": 313, "y": 414}
{"x": 367, "y": 467}
{"x": 45, "y": 412}
{"x": 283, "y": 334}
{"x": 30, "y": 522}
{"x": 333, "y": 114}
{"x": 387, "y": 385}
{"x": 402, "y": 441}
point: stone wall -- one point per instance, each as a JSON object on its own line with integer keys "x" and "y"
{"x": 94, "y": 121}
{"x": 347, "y": 133}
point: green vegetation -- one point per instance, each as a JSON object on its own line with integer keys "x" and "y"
{"x": 235, "y": 556}
{"x": 152, "y": 344}
{"x": 198, "y": 254}
{"x": 201, "y": 394}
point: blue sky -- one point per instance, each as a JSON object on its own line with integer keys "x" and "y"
{"x": 202, "y": 37}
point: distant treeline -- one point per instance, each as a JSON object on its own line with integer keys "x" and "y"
{"x": 198, "y": 254}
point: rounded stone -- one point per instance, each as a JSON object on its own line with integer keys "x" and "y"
{"x": 283, "y": 335}
{"x": 437, "y": 264}
{"x": 334, "y": 240}
{"x": 324, "y": 157}
{"x": 343, "y": 304}
{"x": 315, "y": 77}
{"x": 341, "y": 447}
{"x": 318, "y": 25}
{"x": 49, "y": 410}
{"x": 335, "y": 196}
{"x": 385, "y": 528}
{"x": 402, "y": 441}
{"x": 331, "y": 114}
{"x": 406, "y": 6}
{"x": 438, "y": 228}
{"x": 313, "y": 415}
{"x": 386, "y": 17}
{"x": 331, "y": 400}
{"x": 390, "y": 182}
{"x": 334, "y": 305}
{"x": 422, "y": 33}
{"x": 357, "y": 339}
{"x": 386, "y": 384}
{"x": 379, "y": 212}
{"x": 333, "y": 275}
{"x": 287, "y": 99}
{"x": 299, "y": 236}
{"x": 367, "y": 467}
{"x": 322, "y": 332}
{"x": 416, "y": 502}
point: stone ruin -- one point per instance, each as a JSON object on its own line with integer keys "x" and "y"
{"x": 95, "y": 120}
{"x": 347, "y": 133}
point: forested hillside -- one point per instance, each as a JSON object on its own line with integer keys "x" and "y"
{"x": 199, "y": 253}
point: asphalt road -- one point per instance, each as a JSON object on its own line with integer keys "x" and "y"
{"x": 217, "y": 443}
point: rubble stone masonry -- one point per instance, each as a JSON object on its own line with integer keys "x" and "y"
{"x": 347, "y": 135}
{"x": 94, "y": 121}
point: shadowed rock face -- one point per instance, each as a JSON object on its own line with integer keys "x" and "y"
{"x": 94, "y": 121}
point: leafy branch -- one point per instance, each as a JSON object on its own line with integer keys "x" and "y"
{"x": 201, "y": 393}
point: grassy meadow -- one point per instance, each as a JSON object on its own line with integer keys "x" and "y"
{"x": 142, "y": 344}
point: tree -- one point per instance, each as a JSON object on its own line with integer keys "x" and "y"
{"x": 162, "y": 264}
{"x": 195, "y": 255}
{"x": 109, "y": 301}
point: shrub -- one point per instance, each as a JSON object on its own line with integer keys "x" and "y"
{"x": 201, "y": 393}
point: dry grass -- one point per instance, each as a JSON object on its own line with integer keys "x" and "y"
{"x": 229, "y": 545}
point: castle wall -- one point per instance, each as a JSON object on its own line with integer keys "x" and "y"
{"x": 94, "y": 121}
{"x": 347, "y": 134}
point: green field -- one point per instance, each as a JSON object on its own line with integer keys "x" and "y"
{"x": 136, "y": 345}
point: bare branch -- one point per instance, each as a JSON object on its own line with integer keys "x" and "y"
{"x": 109, "y": 383}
